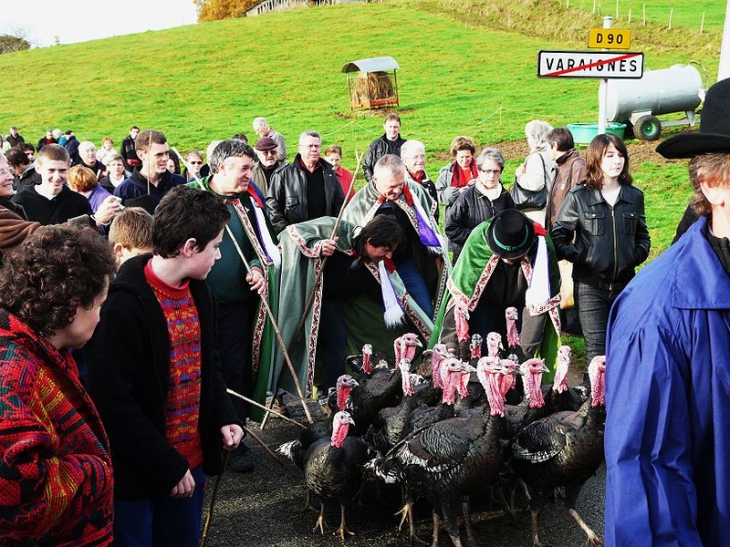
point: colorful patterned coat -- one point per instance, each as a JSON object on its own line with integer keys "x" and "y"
{"x": 56, "y": 481}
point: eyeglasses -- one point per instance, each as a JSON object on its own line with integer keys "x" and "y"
{"x": 269, "y": 152}
{"x": 492, "y": 171}
{"x": 195, "y": 162}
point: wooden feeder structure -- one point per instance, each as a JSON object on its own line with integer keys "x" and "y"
{"x": 372, "y": 83}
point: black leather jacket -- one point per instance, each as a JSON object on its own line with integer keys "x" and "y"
{"x": 469, "y": 210}
{"x": 609, "y": 241}
{"x": 286, "y": 199}
{"x": 377, "y": 149}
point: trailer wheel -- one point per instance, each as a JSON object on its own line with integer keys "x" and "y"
{"x": 647, "y": 128}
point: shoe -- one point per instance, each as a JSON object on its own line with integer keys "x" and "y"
{"x": 241, "y": 460}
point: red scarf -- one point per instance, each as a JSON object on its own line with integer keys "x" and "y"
{"x": 461, "y": 177}
{"x": 255, "y": 196}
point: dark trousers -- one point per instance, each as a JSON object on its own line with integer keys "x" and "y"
{"x": 234, "y": 345}
{"x": 331, "y": 342}
{"x": 415, "y": 285}
{"x": 161, "y": 521}
{"x": 593, "y": 306}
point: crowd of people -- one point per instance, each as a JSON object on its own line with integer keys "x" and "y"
{"x": 134, "y": 290}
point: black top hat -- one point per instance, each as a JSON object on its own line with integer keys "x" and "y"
{"x": 714, "y": 133}
{"x": 510, "y": 234}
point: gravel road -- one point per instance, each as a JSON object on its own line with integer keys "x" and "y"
{"x": 265, "y": 509}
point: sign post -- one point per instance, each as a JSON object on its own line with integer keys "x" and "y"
{"x": 605, "y": 65}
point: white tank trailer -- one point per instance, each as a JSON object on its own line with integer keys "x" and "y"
{"x": 639, "y": 102}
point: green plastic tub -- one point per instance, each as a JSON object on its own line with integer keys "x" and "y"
{"x": 583, "y": 133}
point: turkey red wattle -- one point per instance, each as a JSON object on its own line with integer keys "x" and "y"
{"x": 513, "y": 337}
{"x": 367, "y": 354}
{"x": 560, "y": 382}
{"x": 340, "y": 427}
{"x": 597, "y": 375}
{"x": 532, "y": 371}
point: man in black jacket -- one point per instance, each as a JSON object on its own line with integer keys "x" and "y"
{"x": 304, "y": 189}
{"x": 129, "y": 150}
{"x": 154, "y": 375}
{"x": 389, "y": 143}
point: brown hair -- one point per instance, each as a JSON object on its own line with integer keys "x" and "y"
{"x": 132, "y": 229}
{"x": 462, "y": 143}
{"x": 144, "y": 138}
{"x": 594, "y": 158}
{"x": 333, "y": 149}
{"x": 186, "y": 213}
{"x": 52, "y": 152}
{"x": 55, "y": 270}
{"x": 714, "y": 171}
{"x": 81, "y": 179}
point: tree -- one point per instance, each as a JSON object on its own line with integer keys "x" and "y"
{"x": 215, "y": 10}
{"x": 13, "y": 41}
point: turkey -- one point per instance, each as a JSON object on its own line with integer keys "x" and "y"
{"x": 454, "y": 378}
{"x": 494, "y": 344}
{"x": 323, "y": 428}
{"x": 375, "y": 393}
{"x": 449, "y": 460}
{"x": 365, "y": 363}
{"x": 560, "y": 396}
{"x": 334, "y": 469}
{"x": 532, "y": 406}
{"x": 388, "y": 426}
{"x": 564, "y": 449}
{"x": 514, "y": 347}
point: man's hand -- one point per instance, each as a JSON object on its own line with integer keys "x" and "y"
{"x": 185, "y": 488}
{"x": 328, "y": 247}
{"x": 256, "y": 280}
{"x": 232, "y": 435}
{"x": 108, "y": 209}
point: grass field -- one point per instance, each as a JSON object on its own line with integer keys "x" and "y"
{"x": 466, "y": 68}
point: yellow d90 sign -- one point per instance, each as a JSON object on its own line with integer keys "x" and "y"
{"x": 609, "y": 38}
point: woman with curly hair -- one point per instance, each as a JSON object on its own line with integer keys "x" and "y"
{"x": 55, "y": 464}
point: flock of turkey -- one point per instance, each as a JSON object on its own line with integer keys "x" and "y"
{"x": 455, "y": 429}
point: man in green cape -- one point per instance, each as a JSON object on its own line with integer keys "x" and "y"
{"x": 245, "y": 336}
{"x": 507, "y": 261}
{"x": 376, "y": 317}
{"x": 423, "y": 263}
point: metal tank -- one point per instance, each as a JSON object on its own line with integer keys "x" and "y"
{"x": 639, "y": 102}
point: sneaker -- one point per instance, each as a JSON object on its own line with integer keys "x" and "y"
{"x": 241, "y": 459}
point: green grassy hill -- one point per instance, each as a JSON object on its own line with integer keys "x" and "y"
{"x": 466, "y": 68}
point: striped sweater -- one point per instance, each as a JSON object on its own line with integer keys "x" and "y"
{"x": 56, "y": 482}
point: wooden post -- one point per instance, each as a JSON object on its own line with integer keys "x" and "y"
{"x": 617, "y": 9}
{"x": 671, "y": 14}
{"x": 594, "y": 7}
{"x": 643, "y": 9}
{"x": 629, "y": 16}
{"x": 702, "y": 24}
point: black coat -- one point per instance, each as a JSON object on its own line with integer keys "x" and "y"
{"x": 609, "y": 241}
{"x": 286, "y": 199}
{"x": 377, "y": 149}
{"x": 469, "y": 210}
{"x": 128, "y": 361}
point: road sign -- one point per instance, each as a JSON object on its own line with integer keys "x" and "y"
{"x": 609, "y": 38}
{"x": 590, "y": 64}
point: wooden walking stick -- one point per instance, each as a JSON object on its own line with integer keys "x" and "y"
{"x": 211, "y": 505}
{"x": 265, "y": 303}
{"x": 310, "y": 300}
{"x": 268, "y": 410}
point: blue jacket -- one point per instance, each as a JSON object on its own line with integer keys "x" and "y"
{"x": 668, "y": 401}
